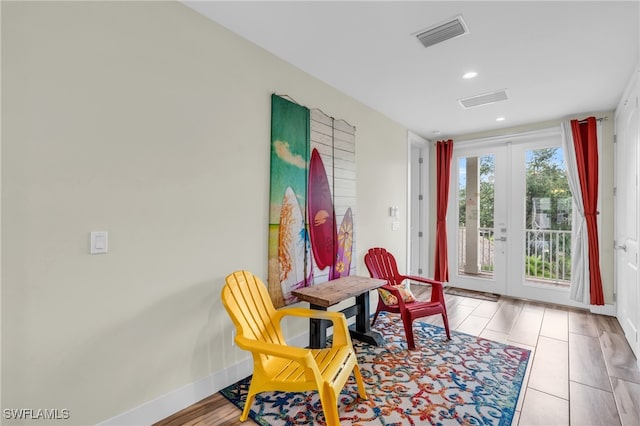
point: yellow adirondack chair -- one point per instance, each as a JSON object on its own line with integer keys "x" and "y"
{"x": 278, "y": 366}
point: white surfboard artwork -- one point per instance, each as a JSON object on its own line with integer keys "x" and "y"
{"x": 292, "y": 244}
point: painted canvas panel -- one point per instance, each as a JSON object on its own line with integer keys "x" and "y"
{"x": 289, "y": 263}
{"x": 334, "y": 140}
{"x": 312, "y": 200}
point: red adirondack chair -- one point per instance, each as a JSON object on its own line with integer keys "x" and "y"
{"x": 382, "y": 264}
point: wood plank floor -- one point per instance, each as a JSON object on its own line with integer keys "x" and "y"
{"x": 581, "y": 371}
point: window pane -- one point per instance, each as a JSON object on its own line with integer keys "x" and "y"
{"x": 476, "y": 205}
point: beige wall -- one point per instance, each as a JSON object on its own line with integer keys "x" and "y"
{"x": 151, "y": 122}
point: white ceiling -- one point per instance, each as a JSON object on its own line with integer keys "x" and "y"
{"x": 556, "y": 59}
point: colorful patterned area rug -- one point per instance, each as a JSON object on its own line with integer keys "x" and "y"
{"x": 467, "y": 380}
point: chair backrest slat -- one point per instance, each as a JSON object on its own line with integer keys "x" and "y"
{"x": 247, "y": 300}
{"x": 382, "y": 264}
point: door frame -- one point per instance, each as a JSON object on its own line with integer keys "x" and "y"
{"x": 418, "y": 258}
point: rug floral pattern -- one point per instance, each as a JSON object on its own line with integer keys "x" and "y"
{"x": 468, "y": 381}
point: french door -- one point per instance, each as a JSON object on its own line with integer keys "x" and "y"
{"x": 477, "y": 217}
{"x": 510, "y": 217}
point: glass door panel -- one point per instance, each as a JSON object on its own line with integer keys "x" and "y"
{"x": 478, "y": 187}
{"x": 548, "y": 212}
{"x": 475, "y": 216}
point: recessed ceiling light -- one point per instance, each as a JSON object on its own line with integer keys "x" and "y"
{"x": 437, "y": 132}
{"x": 470, "y": 74}
{"x": 501, "y": 118}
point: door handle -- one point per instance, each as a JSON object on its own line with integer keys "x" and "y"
{"x": 623, "y": 247}
{"x": 502, "y": 239}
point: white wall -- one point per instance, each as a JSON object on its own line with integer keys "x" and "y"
{"x": 149, "y": 121}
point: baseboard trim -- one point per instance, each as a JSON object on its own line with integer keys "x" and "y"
{"x": 162, "y": 407}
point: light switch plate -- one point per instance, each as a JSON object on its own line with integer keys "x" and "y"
{"x": 99, "y": 242}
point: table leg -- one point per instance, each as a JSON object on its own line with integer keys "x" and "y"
{"x": 362, "y": 318}
{"x": 362, "y": 330}
{"x": 317, "y": 330}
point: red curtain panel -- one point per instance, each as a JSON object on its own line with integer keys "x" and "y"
{"x": 444, "y": 151}
{"x": 585, "y": 142}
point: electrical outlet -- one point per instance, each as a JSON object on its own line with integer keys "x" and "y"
{"x": 233, "y": 337}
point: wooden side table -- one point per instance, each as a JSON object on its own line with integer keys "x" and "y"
{"x": 321, "y": 296}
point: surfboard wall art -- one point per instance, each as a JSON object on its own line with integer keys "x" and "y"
{"x": 310, "y": 195}
{"x": 345, "y": 245}
{"x": 322, "y": 219}
{"x": 334, "y": 140}
{"x": 292, "y": 246}
{"x": 287, "y": 199}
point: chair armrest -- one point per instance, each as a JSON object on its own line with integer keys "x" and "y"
{"x": 423, "y": 280}
{"x": 281, "y": 351}
{"x": 341, "y": 336}
{"x": 311, "y": 313}
{"x": 438, "y": 287}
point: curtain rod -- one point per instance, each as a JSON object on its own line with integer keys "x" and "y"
{"x": 605, "y": 118}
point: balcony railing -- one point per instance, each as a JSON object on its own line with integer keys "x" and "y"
{"x": 547, "y": 254}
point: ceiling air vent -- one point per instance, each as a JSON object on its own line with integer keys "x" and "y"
{"x": 452, "y": 28}
{"x": 484, "y": 99}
